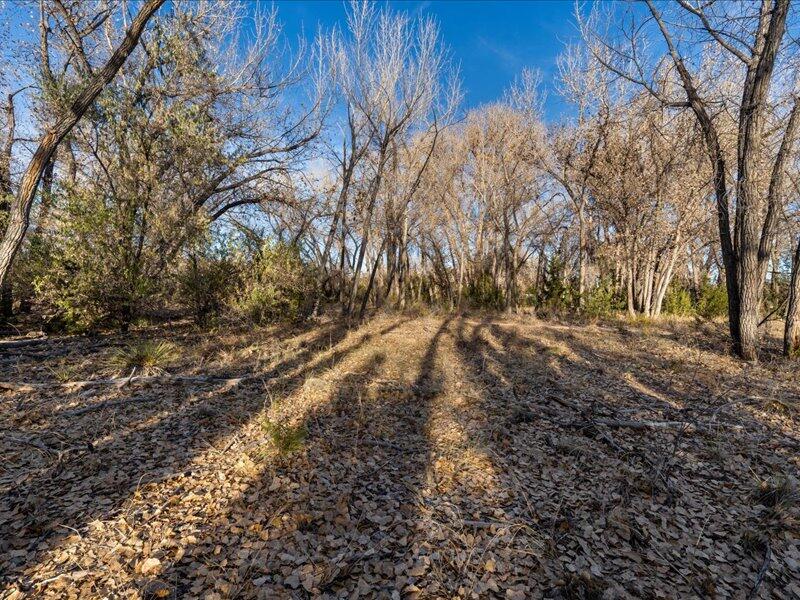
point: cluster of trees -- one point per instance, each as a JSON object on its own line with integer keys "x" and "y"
{"x": 190, "y": 152}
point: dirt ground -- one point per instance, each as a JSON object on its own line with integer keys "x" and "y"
{"x": 413, "y": 457}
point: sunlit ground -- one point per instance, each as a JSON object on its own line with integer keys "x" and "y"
{"x": 413, "y": 457}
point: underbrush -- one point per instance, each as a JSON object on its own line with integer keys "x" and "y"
{"x": 278, "y": 286}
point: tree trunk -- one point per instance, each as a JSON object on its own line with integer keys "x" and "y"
{"x": 378, "y": 255}
{"x": 629, "y": 286}
{"x": 750, "y": 228}
{"x": 402, "y": 277}
{"x": 341, "y": 205}
{"x": 581, "y": 256}
{"x": 6, "y": 300}
{"x": 666, "y": 277}
{"x": 791, "y": 333}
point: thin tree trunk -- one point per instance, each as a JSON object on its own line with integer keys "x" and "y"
{"x": 665, "y": 280}
{"x": 402, "y": 278}
{"x": 363, "y": 310}
{"x": 581, "y": 255}
{"x": 791, "y": 333}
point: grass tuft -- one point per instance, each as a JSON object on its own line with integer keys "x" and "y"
{"x": 777, "y": 492}
{"x": 753, "y": 541}
{"x": 145, "y": 357}
{"x": 285, "y": 438}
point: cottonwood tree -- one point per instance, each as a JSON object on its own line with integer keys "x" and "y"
{"x": 648, "y": 181}
{"x": 8, "y": 122}
{"x": 756, "y": 59}
{"x": 501, "y": 159}
{"x": 195, "y": 126}
{"x": 90, "y": 84}
{"x": 487, "y": 206}
{"x": 389, "y": 75}
{"x": 572, "y": 145}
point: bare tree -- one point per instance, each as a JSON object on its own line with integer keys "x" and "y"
{"x": 389, "y": 70}
{"x": 748, "y": 41}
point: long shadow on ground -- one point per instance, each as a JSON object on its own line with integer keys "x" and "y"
{"x": 636, "y": 511}
{"x": 468, "y": 463}
{"x": 333, "y": 517}
{"x": 34, "y": 516}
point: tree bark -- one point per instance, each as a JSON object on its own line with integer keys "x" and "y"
{"x": 740, "y": 252}
{"x": 791, "y": 332}
{"x": 581, "y": 255}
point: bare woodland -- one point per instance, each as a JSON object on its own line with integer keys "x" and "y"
{"x": 285, "y": 319}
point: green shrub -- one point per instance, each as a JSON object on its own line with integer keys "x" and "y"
{"x": 678, "y": 301}
{"x": 601, "y": 301}
{"x": 712, "y": 301}
{"x": 556, "y": 292}
{"x": 206, "y": 282}
{"x": 103, "y": 263}
{"x": 483, "y": 292}
{"x": 277, "y": 287}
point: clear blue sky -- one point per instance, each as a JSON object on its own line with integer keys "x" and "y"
{"x": 491, "y": 41}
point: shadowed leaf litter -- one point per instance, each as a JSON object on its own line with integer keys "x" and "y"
{"x": 425, "y": 457}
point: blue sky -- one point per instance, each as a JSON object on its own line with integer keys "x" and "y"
{"x": 491, "y": 41}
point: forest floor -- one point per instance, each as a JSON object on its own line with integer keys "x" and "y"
{"x": 412, "y": 457}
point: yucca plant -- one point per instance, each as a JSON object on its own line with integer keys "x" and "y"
{"x": 146, "y": 357}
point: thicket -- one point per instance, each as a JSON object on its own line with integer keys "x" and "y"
{"x": 277, "y": 286}
{"x": 709, "y": 302}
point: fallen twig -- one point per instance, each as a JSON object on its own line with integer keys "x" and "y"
{"x": 102, "y": 405}
{"x": 530, "y": 415}
{"x": 761, "y": 572}
{"x": 32, "y": 443}
{"x": 122, "y": 381}
{"x": 10, "y": 344}
{"x": 39, "y": 445}
{"x": 683, "y": 425}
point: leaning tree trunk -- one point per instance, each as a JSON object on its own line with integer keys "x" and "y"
{"x": 666, "y": 277}
{"x": 19, "y": 217}
{"x": 338, "y": 213}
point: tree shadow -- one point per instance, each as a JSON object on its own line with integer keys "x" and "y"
{"x": 158, "y": 443}
{"x": 447, "y": 458}
{"x": 623, "y": 508}
{"x": 333, "y": 517}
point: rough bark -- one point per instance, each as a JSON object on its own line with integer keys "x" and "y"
{"x": 791, "y": 333}
{"x": 740, "y": 252}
